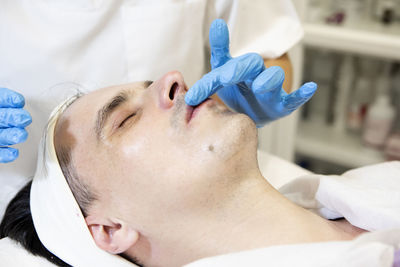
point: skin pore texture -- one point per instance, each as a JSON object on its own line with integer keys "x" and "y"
{"x": 175, "y": 184}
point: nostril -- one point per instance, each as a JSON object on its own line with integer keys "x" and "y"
{"x": 173, "y": 90}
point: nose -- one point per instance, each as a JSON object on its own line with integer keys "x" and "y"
{"x": 171, "y": 85}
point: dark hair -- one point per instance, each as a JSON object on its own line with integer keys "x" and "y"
{"x": 17, "y": 224}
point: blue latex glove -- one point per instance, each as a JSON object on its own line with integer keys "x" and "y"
{"x": 13, "y": 120}
{"x": 244, "y": 84}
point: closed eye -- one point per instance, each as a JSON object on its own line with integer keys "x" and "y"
{"x": 126, "y": 119}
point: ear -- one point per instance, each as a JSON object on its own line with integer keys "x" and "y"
{"x": 113, "y": 237}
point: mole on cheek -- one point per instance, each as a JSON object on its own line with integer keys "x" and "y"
{"x": 210, "y": 148}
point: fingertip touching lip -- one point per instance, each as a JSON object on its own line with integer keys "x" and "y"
{"x": 191, "y": 111}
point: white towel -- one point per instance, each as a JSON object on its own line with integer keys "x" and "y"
{"x": 367, "y": 197}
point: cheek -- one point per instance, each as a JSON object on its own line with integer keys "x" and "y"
{"x": 140, "y": 157}
{"x": 151, "y": 160}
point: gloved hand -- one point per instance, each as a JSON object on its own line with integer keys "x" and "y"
{"x": 13, "y": 120}
{"x": 244, "y": 84}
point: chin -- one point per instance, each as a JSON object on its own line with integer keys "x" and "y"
{"x": 234, "y": 152}
{"x": 239, "y": 137}
{"x": 245, "y": 130}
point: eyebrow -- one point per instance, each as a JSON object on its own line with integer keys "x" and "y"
{"x": 105, "y": 112}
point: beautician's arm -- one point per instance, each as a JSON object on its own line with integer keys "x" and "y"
{"x": 286, "y": 65}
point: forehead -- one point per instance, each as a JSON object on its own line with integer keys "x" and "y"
{"x": 79, "y": 119}
{"x": 86, "y": 107}
{"x": 93, "y": 101}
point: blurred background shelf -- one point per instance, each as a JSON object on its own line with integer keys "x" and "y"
{"x": 348, "y": 46}
{"x": 324, "y": 142}
{"x": 367, "y": 38}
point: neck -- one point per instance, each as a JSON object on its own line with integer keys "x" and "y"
{"x": 253, "y": 215}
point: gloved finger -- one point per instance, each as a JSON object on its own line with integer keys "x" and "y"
{"x": 11, "y": 99}
{"x": 270, "y": 79}
{"x": 8, "y": 154}
{"x": 294, "y": 100}
{"x": 219, "y": 43}
{"x": 245, "y": 67}
{"x": 12, "y": 136}
{"x": 14, "y": 117}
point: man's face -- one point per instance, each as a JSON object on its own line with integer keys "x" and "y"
{"x": 149, "y": 156}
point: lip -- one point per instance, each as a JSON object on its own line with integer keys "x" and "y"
{"x": 191, "y": 111}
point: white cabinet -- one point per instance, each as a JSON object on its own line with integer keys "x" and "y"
{"x": 367, "y": 39}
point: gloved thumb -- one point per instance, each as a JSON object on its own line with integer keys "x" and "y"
{"x": 219, "y": 43}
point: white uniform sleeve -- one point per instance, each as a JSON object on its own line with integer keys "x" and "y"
{"x": 267, "y": 27}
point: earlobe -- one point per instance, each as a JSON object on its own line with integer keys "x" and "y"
{"x": 113, "y": 237}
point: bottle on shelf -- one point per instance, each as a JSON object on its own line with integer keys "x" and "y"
{"x": 381, "y": 115}
{"x": 337, "y": 12}
{"x": 396, "y": 95}
{"x": 322, "y": 65}
{"x": 344, "y": 83}
{"x": 386, "y": 11}
{"x": 392, "y": 146}
{"x": 379, "y": 121}
{"x": 360, "y": 100}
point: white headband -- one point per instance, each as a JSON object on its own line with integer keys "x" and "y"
{"x": 56, "y": 215}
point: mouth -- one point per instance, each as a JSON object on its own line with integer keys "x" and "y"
{"x": 191, "y": 111}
